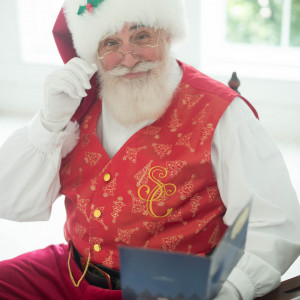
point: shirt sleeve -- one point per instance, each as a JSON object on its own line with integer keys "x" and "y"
{"x": 29, "y": 175}
{"x": 247, "y": 164}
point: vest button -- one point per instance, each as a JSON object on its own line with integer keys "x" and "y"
{"x": 97, "y": 213}
{"x": 97, "y": 247}
{"x": 107, "y": 177}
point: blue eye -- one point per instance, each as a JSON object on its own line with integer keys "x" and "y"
{"x": 142, "y": 36}
{"x": 111, "y": 43}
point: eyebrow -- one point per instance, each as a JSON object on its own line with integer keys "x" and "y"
{"x": 134, "y": 27}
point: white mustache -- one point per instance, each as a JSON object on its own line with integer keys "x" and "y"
{"x": 140, "y": 67}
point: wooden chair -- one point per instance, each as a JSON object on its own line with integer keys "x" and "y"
{"x": 288, "y": 289}
{"x": 234, "y": 82}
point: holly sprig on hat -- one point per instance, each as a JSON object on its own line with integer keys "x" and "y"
{"x": 91, "y": 4}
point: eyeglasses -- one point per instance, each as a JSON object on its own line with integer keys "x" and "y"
{"x": 143, "y": 41}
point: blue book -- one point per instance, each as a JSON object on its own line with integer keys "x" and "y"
{"x": 148, "y": 274}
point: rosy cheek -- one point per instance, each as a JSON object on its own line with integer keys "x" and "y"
{"x": 106, "y": 66}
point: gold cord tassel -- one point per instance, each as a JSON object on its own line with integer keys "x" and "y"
{"x": 70, "y": 271}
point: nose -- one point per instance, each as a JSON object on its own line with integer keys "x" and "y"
{"x": 129, "y": 59}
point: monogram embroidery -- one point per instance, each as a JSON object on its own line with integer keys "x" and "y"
{"x": 159, "y": 193}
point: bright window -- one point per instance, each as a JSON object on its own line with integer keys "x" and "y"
{"x": 264, "y": 22}
{"x": 256, "y": 38}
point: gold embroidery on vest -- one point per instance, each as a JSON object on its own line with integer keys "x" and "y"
{"x": 206, "y": 157}
{"x": 82, "y": 205}
{"x": 138, "y": 205}
{"x": 176, "y": 217}
{"x": 203, "y": 222}
{"x": 186, "y": 190}
{"x": 80, "y": 230}
{"x": 191, "y": 100}
{"x": 84, "y": 140}
{"x": 92, "y": 158}
{"x": 131, "y": 153}
{"x": 125, "y": 235}
{"x": 159, "y": 193}
{"x": 152, "y": 130}
{"x": 110, "y": 188}
{"x": 195, "y": 203}
{"x": 213, "y": 194}
{"x": 207, "y": 130}
{"x": 175, "y": 121}
{"x": 141, "y": 177}
{"x": 170, "y": 244}
{"x": 162, "y": 150}
{"x": 86, "y": 121}
{"x": 154, "y": 227}
{"x": 117, "y": 208}
{"x": 174, "y": 167}
{"x": 108, "y": 260}
{"x": 199, "y": 119}
{"x": 185, "y": 140}
{"x": 215, "y": 237}
{"x": 77, "y": 182}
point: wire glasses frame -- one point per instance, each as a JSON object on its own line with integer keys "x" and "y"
{"x": 135, "y": 52}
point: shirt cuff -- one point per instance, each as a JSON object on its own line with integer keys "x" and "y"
{"x": 254, "y": 277}
{"x": 45, "y": 140}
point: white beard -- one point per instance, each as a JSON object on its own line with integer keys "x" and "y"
{"x": 135, "y": 100}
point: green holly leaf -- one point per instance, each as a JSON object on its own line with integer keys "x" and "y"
{"x": 95, "y": 3}
{"x": 81, "y": 10}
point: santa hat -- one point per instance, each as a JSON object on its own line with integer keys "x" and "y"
{"x": 92, "y": 20}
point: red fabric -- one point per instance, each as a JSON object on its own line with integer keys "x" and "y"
{"x": 43, "y": 274}
{"x": 177, "y": 148}
{"x": 64, "y": 43}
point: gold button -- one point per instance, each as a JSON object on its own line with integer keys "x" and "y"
{"x": 107, "y": 177}
{"x": 97, "y": 247}
{"x": 97, "y": 213}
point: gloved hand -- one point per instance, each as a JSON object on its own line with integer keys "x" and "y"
{"x": 228, "y": 292}
{"x": 64, "y": 90}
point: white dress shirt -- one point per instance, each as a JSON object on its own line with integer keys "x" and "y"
{"x": 246, "y": 163}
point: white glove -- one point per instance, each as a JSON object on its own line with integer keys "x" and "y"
{"x": 228, "y": 292}
{"x": 64, "y": 90}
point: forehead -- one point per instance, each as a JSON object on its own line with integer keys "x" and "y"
{"x": 129, "y": 28}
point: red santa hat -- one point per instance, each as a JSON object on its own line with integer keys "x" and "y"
{"x": 90, "y": 21}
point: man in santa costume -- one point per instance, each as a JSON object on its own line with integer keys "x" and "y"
{"x": 149, "y": 152}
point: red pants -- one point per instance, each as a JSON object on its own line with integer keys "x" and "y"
{"x": 43, "y": 274}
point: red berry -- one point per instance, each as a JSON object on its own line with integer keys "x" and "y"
{"x": 89, "y": 7}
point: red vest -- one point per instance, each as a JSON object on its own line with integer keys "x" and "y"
{"x": 159, "y": 190}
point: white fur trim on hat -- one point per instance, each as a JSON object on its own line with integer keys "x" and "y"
{"x": 110, "y": 16}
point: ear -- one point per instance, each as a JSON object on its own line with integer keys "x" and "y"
{"x": 166, "y": 36}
